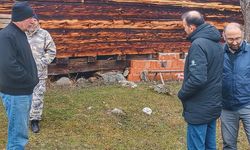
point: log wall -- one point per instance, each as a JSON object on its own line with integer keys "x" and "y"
{"x": 120, "y": 27}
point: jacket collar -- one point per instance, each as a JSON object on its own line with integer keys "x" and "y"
{"x": 15, "y": 27}
{"x": 242, "y": 47}
{"x": 195, "y": 31}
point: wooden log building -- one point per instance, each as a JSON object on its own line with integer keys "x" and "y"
{"x": 96, "y": 35}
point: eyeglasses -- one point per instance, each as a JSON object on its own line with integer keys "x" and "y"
{"x": 237, "y": 39}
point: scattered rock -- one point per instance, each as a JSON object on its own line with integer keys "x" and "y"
{"x": 82, "y": 82}
{"x": 128, "y": 84}
{"x": 89, "y": 108}
{"x": 64, "y": 81}
{"x": 112, "y": 77}
{"x": 147, "y": 110}
{"x": 119, "y": 123}
{"x": 160, "y": 88}
{"x": 126, "y": 72}
{"x": 92, "y": 79}
{"x": 117, "y": 111}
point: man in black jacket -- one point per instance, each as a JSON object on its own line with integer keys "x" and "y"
{"x": 200, "y": 93}
{"x": 18, "y": 74}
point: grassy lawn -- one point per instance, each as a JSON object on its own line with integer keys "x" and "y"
{"x": 80, "y": 118}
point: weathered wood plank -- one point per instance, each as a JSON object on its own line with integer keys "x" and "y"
{"x": 191, "y": 4}
{"x": 4, "y": 20}
{"x": 5, "y": 16}
{"x": 58, "y": 1}
{"x": 129, "y": 12}
{"x": 234, "y": 2}
{"x": 3, "y": 25}
{"x": 118, "y": 48}
{"x": 114, "y": 24}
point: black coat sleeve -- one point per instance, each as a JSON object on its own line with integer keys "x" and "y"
{"x": 196, "y": 75}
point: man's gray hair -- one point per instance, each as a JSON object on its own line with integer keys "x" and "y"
{"x": 233, "y": 25}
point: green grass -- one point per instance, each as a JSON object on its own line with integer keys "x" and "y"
{"x": 68, "y": 123}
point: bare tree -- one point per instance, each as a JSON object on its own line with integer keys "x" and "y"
{"x": 245, "y": 7}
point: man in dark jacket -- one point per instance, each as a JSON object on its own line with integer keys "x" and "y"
{"x": 18, "y": 74}
{"x": 200, "y": 93}
{"x": 236, "y": 86}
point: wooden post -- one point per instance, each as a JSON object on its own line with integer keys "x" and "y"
{"x": 162, "y": 81}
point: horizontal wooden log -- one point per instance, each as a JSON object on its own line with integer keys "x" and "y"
{"x": 147, "y": 47}
{"x": 190, "y": 4}
{"x": 4, "y": 20}
{"x": 79, "y": 65}
{"x": 3, "y": 25}
{"x": 120, "y": 35}
{"x": 113, "y": 12}
{"x": 57, "y": 1}
{"x": 126, "y": 24}
{"x": 5, "y": 16}
{"x": 235, "y": 2}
